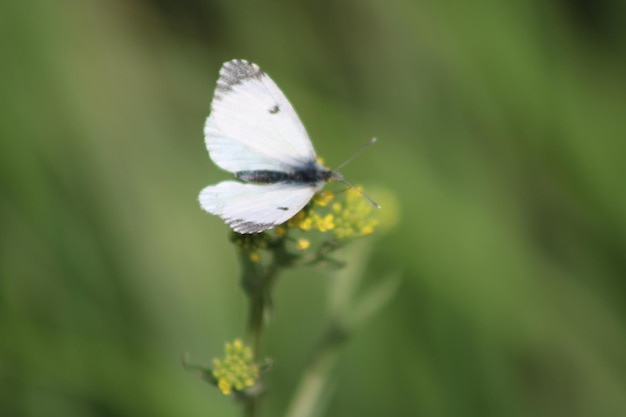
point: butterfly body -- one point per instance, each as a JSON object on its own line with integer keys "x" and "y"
{"x": 308, "y": 174}
{"x": 254, "y": 133}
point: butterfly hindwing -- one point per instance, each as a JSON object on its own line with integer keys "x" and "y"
{"x": 254, "y": 208}
{"x": 252, "y": 125}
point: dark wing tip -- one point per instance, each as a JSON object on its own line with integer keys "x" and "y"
{"x": 235, "y": 72}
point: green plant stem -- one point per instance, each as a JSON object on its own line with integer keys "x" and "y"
{"x": 255, "y": 321}
{"x": 251, "y": 407}
{"x": 257, "y": 282}
{"x": 259, "y": 306}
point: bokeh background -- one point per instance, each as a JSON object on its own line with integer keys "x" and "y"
{"x": 501, "y": 136}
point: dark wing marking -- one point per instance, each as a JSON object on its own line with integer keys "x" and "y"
{"x": 274, "y": 109}
{"x": 235, "y": 72}
{"x": 246, "y": 227}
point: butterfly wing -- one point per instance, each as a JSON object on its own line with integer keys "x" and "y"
{"x": 254, "y": 208}
{"x": 252, "y": 125}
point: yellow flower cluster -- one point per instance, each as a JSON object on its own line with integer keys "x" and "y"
{"x": 237, "y": 370}
{"x": 355, "y": 217}
{"x": 303, "y": 244}
{"x": 351, "y": 218}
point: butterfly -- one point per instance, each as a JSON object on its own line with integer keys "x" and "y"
{"x": 254, "y": 132}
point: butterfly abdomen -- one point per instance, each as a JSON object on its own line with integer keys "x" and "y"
{"x": 307, "y": 175}
{"x": 262, "y": 177}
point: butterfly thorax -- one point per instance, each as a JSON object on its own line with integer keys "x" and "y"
{"x": 313, "y": 174}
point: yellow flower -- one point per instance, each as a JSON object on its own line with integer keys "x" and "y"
{"x": 297, "y": 219}
{"x": 281, "y": 231}
{"x": 367, "y": 229}
{"x": 323, "y": 198}
{"x": 326, "y": 223}
{"x": 224, "y": 386}
{"x": 238, "y": 345}
{"x": 255, "y": 257}
{"x": 303, "y": 244}
{"x": 306, "y": 224}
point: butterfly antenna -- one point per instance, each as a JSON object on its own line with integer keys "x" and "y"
{"x": 349, "y": 184}
{"x": 361, "y": 149}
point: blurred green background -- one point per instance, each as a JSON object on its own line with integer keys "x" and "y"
{"x": 501, "y": 135}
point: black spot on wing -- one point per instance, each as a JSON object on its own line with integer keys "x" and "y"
{"x": 235, "y": 72}
{"x": 274, "y": 109}
{"x": 283, "y": 208}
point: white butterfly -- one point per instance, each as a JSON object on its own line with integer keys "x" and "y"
{"x": 254, "y": 132}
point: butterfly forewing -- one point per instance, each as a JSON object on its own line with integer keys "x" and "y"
{"x": 252, "y": 125}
